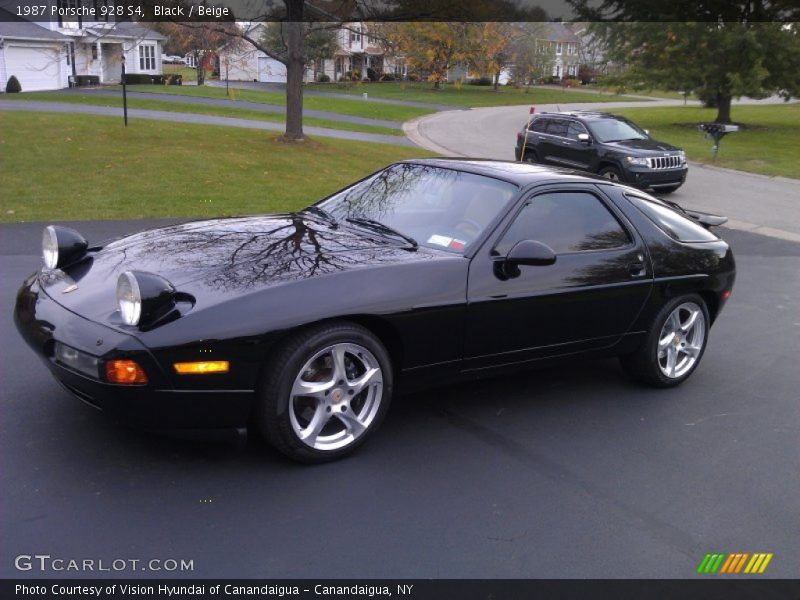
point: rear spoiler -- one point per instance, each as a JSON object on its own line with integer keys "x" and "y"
{"x": 705, "y": 219}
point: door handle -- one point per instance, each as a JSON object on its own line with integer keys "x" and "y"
{"x": 636, "y": 269}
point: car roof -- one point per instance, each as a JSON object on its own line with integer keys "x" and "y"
{"x": 582, "y": 114}
{"x": 518, "y": 173}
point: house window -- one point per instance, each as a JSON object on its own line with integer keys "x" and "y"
{"x": 147, "y": 57}
{"x": 558, "y": 48}
{"x": 94, "y": 51}
{"x": 355, "y": 36}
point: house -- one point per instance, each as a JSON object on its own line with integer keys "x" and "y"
{"x": 565, "y": 47}
{"x": 241, "y": 61}
{"x": 48, "y": 55}
{"x": 356, "y": 55}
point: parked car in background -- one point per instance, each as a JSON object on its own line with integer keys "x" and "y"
{"x": 602, "y": 143}
{"x": 302, "y": 325}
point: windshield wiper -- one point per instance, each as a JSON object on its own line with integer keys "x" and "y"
{"x": 378, "y": 226}
{"x": 324, "y": 214}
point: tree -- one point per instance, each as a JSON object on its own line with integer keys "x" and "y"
{"x": 431, "y": 48}
{"x": 532, "y": 56}
{"x": 319, "y": 40}
{"x": 729, "y": 50}
{"x": 492, "y": 51}
{"x": 201, "y": 40}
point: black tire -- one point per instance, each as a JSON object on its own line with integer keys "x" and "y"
{"x": 611, "y": 172}
{"x": 644, "y": 366}
{"x": 667, "y": 190}
{"x": 273, "y": 416}
{"x": 531, "y": 157}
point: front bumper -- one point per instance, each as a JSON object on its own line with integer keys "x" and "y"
{"x": 645, "y": 177}
{"x": 156, "y": 405}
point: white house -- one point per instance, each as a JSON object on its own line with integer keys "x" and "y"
{"x": 46, "y": 55}
{"x": 356, "y": 52}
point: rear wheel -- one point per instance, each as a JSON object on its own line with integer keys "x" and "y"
{"x": 531, "y": 157}
{"x": 325, "y": 392}
{"x": 611, "y": 173}
{"x": 675, "y": 343}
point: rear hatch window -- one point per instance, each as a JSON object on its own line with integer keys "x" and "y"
{"x": 671, "y": 221}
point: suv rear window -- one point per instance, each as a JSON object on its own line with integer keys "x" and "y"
{"x": 670, "y": 221}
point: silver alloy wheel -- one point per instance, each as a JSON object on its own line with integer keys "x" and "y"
{"x": 681, "y": 340}
{"x": 336, "y": 396}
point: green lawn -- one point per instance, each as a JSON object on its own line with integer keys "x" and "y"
{"x": 466, "y": 95}
{"x": 88, "y": 167}
{"x": 189, "y": 73}
{"x": 354, "y": 107}
{"x": 137, "y": 101}
{"x": 769, "y": 142}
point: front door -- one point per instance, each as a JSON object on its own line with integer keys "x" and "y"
{"x": 588, "y": 299}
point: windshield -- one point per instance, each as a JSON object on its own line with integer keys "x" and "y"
{"x": 616, "y": 130}
{"x": 440, "y": 208}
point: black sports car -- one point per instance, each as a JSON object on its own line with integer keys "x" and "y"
{"x": 303, "y": 324}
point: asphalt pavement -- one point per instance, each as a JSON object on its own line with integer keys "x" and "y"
{"x": 566, "y": 472}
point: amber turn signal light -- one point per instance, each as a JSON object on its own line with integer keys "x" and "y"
{"x": 202, "y": 367}
{"x": 124, "y": 371}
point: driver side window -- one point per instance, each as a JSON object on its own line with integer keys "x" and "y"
{"x": 567, "y": 222}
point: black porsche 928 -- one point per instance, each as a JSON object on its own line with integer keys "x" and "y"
{"x": 303, "y": 325}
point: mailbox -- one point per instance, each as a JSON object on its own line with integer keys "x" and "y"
{"x": 716, "y": 131}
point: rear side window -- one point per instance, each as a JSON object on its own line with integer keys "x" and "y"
{"x": 538, "y": 125}
{"x": 557, "y": 128}
{"x": 567, "y": 222}
{"x": 670, "y": 221}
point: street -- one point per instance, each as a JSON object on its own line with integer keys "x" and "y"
{"x": 566, "y": 472}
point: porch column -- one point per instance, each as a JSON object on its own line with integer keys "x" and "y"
{"x": 100, "y": 61}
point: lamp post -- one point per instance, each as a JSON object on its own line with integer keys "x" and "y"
{"x": 124, "y": 91}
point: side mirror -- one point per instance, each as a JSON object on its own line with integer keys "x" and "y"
{"x": 526, "y": 252}
{"x": 530, "y": 252}
{"x": 584, "y": 138}
{"x": 647, "y": 131}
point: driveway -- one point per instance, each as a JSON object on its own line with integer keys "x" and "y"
{"x": 766, "y": 205}
{"x": 568, "y": 472}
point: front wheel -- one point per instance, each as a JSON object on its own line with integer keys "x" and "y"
{"x": 675, "y": 343}
{"x": 324, "y": 392}
{"x": 611, "y": 173}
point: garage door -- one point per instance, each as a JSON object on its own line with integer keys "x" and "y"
{"x": 36, "y": 68}
{"x": 271, "y": 70}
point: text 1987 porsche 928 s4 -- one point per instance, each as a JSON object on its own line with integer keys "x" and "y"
{"x": 303, "y": 324}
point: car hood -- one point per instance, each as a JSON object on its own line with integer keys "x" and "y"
{"x": 644, "y": 145}
{"x": 222, "y": 257}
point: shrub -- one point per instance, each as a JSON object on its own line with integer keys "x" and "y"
{"x": 144, "y": 78}
{"x": 13, "y": 86}
{"x": 176, "y": 79}
{"x": 372, "y": 74}
{"x": 85, "y": 80}
{"x": 322, "y": 78}
{"x": 388, "y": 77}
{"x": 481, "y": 81}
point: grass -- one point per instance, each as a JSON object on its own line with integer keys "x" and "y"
{"x": 87, "y": 167}
{"x": 220, "y": 111}
{"x": 354, "y": 107}
{"x": 466, "y": 95}
{"x": 768, "y": 143}
{"x": 189, "y": 73}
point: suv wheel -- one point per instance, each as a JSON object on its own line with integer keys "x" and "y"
{"x": 611, "y": 173}
{"x": 530, "y": 157}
